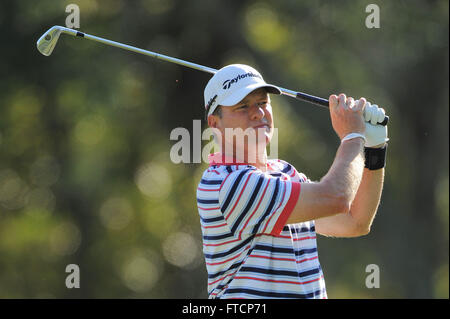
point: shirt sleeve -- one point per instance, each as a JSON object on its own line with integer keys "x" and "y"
{"x": 253, "y": 202}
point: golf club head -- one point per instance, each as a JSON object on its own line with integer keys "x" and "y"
{"x": 47, "y": 41}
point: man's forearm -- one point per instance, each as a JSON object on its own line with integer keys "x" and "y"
{"x": 346, "y": 172}
{"x": 367, "y": 199}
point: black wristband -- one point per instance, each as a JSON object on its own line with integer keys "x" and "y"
{"x": 375, "y": 157}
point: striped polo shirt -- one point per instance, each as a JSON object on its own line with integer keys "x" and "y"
{"x": 250, "y": 251}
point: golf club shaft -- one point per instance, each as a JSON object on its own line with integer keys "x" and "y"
{"x": 298, "y": 95}
{"x": 148, "y": 53}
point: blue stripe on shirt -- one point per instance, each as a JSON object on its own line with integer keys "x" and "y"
{"x": 212, "y": 219}
{"x": 255, "y": 194}
{"x": 269, "y": 208}
{"x": 207, "y": 201}
{"x": 287, "y": 168}
{"x": 211, "y": 181}
{"x": 233, "y": 189}
{"x": 229, "y": 251}
{"x": 282, "y": 250}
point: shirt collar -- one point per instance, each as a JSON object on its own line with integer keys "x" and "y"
{"x": 221, "y": 159}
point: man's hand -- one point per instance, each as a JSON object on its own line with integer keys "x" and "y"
{"x": 373, "y": 113}
{"x": 346, "y": 115}
{"x": 376, "y": 135}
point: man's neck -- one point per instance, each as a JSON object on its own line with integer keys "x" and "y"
{"x": 259, "y": 160}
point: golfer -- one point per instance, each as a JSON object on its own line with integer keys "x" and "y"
{"x": 259, "y": 217}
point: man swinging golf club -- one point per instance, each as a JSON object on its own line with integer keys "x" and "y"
{"x": 260, "y": 217}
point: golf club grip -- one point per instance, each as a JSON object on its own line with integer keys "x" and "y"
{"x": 324, "y": 103}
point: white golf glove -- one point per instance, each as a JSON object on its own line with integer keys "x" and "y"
{"x": 375, "y": 134}
{"x": 373, "y": 113}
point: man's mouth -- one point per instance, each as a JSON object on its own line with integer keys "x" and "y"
{"x": 262, "y": 126}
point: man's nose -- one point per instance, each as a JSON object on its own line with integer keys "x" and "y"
{"x": 257, "y": 112}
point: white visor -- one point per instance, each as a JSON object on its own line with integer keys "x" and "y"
{"x": 231, "y": 84}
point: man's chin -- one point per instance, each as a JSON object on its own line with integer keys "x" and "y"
{"x": 268, "y": 135}
{"x": 263, "y": 138}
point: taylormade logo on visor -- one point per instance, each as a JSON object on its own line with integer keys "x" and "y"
{"x": 226, "y": 85}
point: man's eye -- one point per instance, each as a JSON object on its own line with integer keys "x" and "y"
{"x": 243, "y": 106}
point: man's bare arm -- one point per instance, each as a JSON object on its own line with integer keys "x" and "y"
{"x": 358, "y": 221}
{"x": 337, "y": 189}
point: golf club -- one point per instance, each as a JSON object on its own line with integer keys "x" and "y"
{"x": 48, "y": 40}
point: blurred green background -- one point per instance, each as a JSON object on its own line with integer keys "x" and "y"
{"x": 85, "y": 172}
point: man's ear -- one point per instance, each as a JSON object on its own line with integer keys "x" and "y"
{"x": 212, "y": 121}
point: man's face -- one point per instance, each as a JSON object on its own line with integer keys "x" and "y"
{"x": 253, "y": 115}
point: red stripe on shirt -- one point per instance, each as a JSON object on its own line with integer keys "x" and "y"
{"x": 225, "y": 243}
{"x": 208, "y": 190}
{"x": 272, "y": 235}
{"x": 295, "y": 192}
{"x": 306, "y": 259}
{"x": 240, "y": 233}
{"x": 221, "y": 225}
{"x": 283, "y": 259}
{"x": 223, "y": 182}
{"x": 220, "y": 279}
{"x": 238, "y": 255}
{"x": 211, "y": 208}
{"x": 279, "y": 281}
{"x": 257, "y": 206}
{"x": 281, "y": 202}
{"x": 304, "y": 238}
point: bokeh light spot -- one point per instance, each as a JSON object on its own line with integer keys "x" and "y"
{"x": 140, "y": 274}
{"x": 40, "y": 200}
{"x": 13, "y": 190}
{"x": 65, "y": 239}
{"x": 45, "y": 171}
{"x": 180, "y": 249}
{"x": 264, "y": 29}
{"x": 156, "y": 7}
{"x": 90, "y": 130}
{"x": 153, "y": 180}
{"x": 116, "y": 213}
